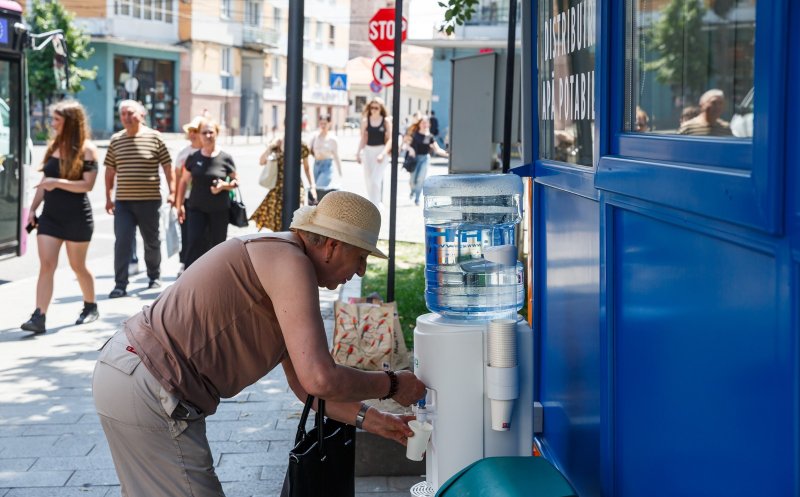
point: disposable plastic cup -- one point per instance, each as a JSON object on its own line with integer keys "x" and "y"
{"x": 501, "y": 414}
{"x": 502, "y": 343}
{"x": 417, "y": 444}
{"x": 501, "y": 254}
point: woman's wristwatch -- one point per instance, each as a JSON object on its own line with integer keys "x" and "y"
{"x": 360, "y": 416}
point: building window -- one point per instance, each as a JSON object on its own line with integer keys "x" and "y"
{"x": 225, "y": 9}
{"x": 306, "y": 30}
{"x": 690, "y": 68}
{"x": 320, "y": 29}
{"x": 148, "y": 10}
{"x": 566, "y": 60}
{"x": 331, "y": 35}
{"x": 276, "y": 19}
{"x": 225, "y": 69}
{"x": 276, "y": 70}
{"x": 361, "y": 102}
{"x": 318, "y": 75}
{"x": 252, "y": 12}
{"x": 155, "y": 89}
{"x": 306, "y": 70}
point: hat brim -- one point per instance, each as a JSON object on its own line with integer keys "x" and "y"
{"x": 342, "y": 237}
{"x": 187, "y": 127}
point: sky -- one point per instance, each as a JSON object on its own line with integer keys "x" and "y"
{"x": 422, "y": 17}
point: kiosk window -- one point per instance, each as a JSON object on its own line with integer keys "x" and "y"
{"x": 566, "y": 53}
{"x": 689, "y": 67}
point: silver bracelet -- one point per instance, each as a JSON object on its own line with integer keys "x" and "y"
{"x": 360, "y": 416}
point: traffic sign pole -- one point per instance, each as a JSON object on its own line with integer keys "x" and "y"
{"x": 398, "y": 40}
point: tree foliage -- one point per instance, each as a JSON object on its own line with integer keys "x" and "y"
{"x": 683, "y": 53}
{"x": 46, "y": 16}
{"x": 457, "y": 13}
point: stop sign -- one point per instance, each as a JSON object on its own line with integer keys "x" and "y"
{"x": 381, "y": 30}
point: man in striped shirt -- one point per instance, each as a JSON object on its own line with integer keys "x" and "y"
{"x": 133, "y": 157}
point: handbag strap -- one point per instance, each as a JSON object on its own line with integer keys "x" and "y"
{"x": 318, "y": 420}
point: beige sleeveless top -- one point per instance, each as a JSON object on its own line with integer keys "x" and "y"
{"x": 214, "y": 331}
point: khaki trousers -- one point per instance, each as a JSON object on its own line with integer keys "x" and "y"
{"x": 158, "y": 443}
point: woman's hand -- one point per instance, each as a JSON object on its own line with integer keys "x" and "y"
{"x": 313, "y": 191}
{"x": 48, "y": 184}
{"x": 358, "y": 157}
{"x": 181, "y": 213}
{"x": 391, "y": 426}
{"x": 218, "y": 186}
{"x": 32, "y": 217}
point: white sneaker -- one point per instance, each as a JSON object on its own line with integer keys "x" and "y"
{"x": 133, "y": 268}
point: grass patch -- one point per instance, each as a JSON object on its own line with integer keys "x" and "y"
{"x": 409, "y": 283}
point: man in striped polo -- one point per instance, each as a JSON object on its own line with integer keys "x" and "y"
{"x": 133, "y": 157}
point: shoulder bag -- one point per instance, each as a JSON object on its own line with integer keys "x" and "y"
{"x": 410, "y": 162}
{"x": 237, "y": 215}
{"x": 322, "y": 462}
{"x": 269, "y": 172}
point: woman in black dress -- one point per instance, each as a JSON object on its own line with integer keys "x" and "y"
{"x": 70, "y": 170}
{"x": 213, "y": 174}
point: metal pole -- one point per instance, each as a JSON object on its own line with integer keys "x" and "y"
{"x": 510, "y": 57}
{"x": 398, "y": 40}
{"x": 294, "y": 114}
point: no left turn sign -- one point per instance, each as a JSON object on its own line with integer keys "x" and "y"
{"x": 383, "y": 69}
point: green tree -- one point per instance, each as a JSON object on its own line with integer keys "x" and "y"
{"x": 683, "y": 52}
{"x": 458, "y": 12}
{"x": 46, "y": 16}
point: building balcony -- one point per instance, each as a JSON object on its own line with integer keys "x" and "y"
{"x": 259, "y": 38}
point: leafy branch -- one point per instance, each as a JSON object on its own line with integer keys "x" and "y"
{"x": 458, "y": 12}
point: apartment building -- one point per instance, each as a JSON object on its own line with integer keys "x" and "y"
{"x": 137, "y": 54}
{"x": 226, "y": 58}
{"x": 326, "y": 34}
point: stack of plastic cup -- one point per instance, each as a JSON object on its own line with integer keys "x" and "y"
{"x": 502, "y": 382}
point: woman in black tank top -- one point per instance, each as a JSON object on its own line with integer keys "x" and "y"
{"x": 376, "y": 142}
{"x": 70, "y": 170}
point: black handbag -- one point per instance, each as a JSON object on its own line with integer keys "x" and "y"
{"x": 410, "y": 162}
{"x": 322, "y": 462}
{"x": 237, "y": 214}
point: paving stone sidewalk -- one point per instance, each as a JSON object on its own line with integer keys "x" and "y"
{"x": 51, "y": 442}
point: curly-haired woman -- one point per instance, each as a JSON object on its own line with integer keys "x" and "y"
{"x": 70, "y": 170}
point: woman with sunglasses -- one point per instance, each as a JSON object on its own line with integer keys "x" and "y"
{"x": 376, "y": 142}
{"x": 211, "y": 172}
{"x": 70, "y": 170}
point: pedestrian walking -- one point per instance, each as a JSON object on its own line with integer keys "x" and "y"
{"x": 192, "y": 131}
{"x": 325, "y": 150}
{"x": 269, "y": 212}
{"x": 375, "y": 144}
{"x": 419, "y": 143}
{"x": 213, "y": 174}
{"x": 133, "y": 157}
{"x": 435, "y": 128}
{"x": 70, "y": 171}
{"x": 250, "y": 304}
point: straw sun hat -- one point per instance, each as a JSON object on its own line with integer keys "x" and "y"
{"x": 193, "y": 124}
{"x": 343, "y": 216}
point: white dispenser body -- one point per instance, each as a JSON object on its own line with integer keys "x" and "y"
{"x": 450, "y": 357}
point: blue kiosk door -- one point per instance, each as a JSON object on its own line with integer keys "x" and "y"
{"x": 666, "y": 252}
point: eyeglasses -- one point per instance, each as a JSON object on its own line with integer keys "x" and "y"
{"x": 373, "y": 107}
{"x": 208, "y": 133}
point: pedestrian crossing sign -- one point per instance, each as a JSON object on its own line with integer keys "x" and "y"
{"x": 338, "y": 81}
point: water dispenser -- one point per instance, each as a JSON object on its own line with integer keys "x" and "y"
{"x": 464, "y": 216}
{"x": 473, "y": 351}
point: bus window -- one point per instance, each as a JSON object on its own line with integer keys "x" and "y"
{"x": 689, "y": 67}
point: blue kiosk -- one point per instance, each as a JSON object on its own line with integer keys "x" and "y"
{"x": 665, "y": 165}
